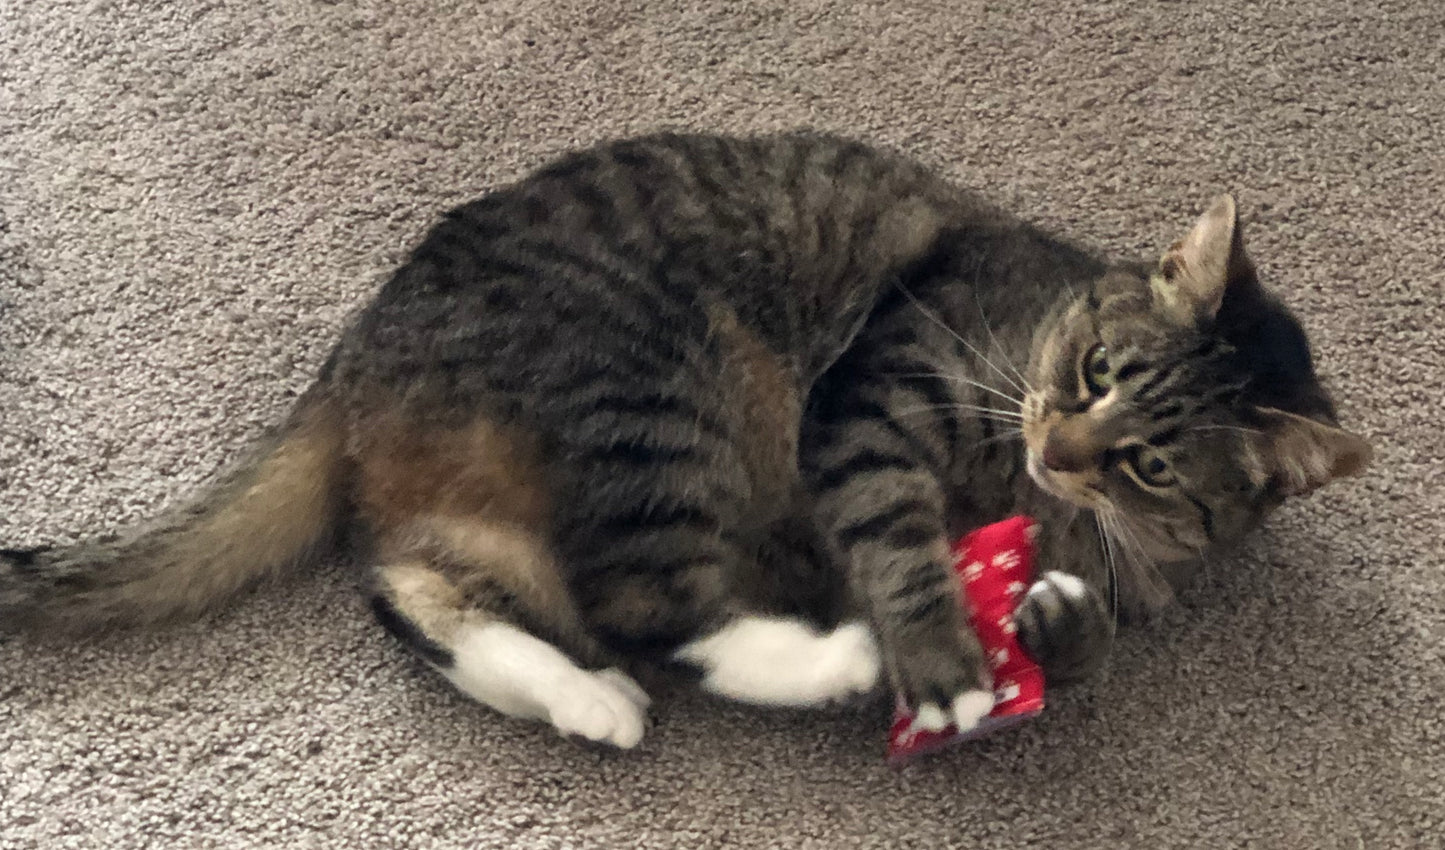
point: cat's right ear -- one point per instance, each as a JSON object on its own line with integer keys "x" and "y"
{"x": 1302, "y": 454}
{"x": 1198, "y": 271}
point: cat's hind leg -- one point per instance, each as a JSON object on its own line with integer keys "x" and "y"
{"x": 483, "y": 605}
{"x": 468, "y": 578}
{"x": 675, "y": 588}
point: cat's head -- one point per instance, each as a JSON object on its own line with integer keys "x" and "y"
{"x": 1182, "y": 397}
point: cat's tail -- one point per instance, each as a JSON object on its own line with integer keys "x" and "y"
{"x": 265, "y": 514}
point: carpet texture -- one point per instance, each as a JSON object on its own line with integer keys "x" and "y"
{"x": 194, "y": 197}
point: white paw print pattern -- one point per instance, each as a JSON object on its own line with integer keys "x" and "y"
{"x": 1017, "y": 588}
{"x": 999, "y": 657}
{"x": 1006, "y": 623}
{"x": 1006, "y": 691}
{"x": 972, "y": 571}
{"x": 1007, "y": 560}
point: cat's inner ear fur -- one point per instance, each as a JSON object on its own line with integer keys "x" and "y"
{"x": 1299, "y": 455}
{"x": 1196, "y": 272}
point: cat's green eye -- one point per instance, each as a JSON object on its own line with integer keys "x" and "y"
{"x": 1151, "y": 467}
{"x": 1098, "y": 374}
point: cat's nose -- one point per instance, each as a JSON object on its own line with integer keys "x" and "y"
{"x": 1063, "y": 454}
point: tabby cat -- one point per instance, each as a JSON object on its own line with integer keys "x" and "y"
{"x": 722, "y": 403}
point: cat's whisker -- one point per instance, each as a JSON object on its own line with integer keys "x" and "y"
{"x": 1128, "y": 544}
{"x": 1011, "y": 434}
{"x": 995, "y": 411}
{"x": 982, "y": 417}
{"x": 978, "y": 302}
{"x": 1143, "y": 567}
{"x": 1240, "y": 428}
{"x": 1205, "y": 564}
{"x": 1117, "y": 534}
{"x": 1132, "y": 542}
{"x": 1109, "y": 566}
{"x": 1118, "y": 549}
{"x": 987, "y": 412}
{"x": 933, "y": 317}
{"x": 957, "y": 379}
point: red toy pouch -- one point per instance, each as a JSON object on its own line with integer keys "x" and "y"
{"x": 995, "y": 566}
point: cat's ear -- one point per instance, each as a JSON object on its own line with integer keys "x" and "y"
{"x": 1197, "y": 272}
{"x": 1301, "y": 454}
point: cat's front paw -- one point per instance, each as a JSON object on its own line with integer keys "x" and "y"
{"x": 947, "y": 685}
{"x": 1066, "y": 627}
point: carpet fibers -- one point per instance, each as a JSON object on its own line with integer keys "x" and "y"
{"x": 195, "y": 196}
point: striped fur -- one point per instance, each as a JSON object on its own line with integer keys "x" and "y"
{"x": 723, "y": 401}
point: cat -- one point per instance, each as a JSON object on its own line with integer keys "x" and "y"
{"x": 722, "y": 403}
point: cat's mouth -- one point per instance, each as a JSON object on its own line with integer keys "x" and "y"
{"x": 1074, "y": 488}
{"x": 1046, "y": 480}
{"x": 1036, "y": 429}
{"x": 1040, "y": 474}
{"x": 1068, "y": 487}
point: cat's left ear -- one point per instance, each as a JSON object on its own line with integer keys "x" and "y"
{"x": 1196, "y": 273}
{"x": 1301, "y": 454}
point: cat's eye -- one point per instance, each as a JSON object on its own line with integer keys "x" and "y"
{"x": 1150, "y": 466}
{"x": 1098, "y": 374}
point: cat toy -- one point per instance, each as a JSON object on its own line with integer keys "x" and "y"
{"x": 994, "y": 566}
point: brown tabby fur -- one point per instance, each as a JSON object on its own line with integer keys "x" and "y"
{"x": 669, "y": 382}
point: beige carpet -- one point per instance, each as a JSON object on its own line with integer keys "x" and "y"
{"x": 193, "y": 196}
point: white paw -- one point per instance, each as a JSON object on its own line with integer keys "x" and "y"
{"x": 967, "y": 710}
{"x": 930, "y": 718}
{"x": 848, "y": 664}
{"x": 1069, "y": 586}
{"x": 607, "y": 707}
{"x": 627, "y": 685}
{"x": 784, "y": 662}
{"x": 970, "y": 707}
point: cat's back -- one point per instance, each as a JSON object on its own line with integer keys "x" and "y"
{"x": 631, "y": 244}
